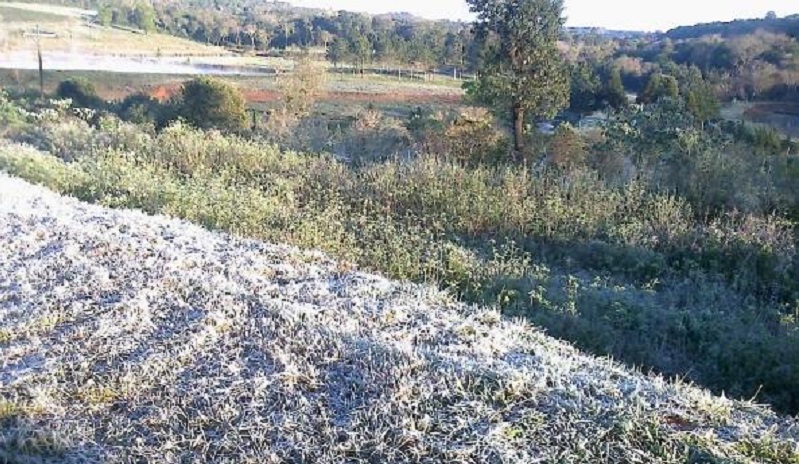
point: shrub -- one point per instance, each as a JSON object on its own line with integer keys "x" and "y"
{"x": 209, "y": 103}
{"x": 567, "y": 150}
{"x": 10, "y": 114}
{"x": 81, "y": 92}
{"x": 470, "y": 136}
{"x": 142, "y": 109}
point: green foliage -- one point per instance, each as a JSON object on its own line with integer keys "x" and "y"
{"x": 338, "y": 51}
{"x": 525, "y": 72}
{"x": 659, "y": 86}
{"x": 361, "y": 50}
{"x": 209, "y": 103}
{"x": 105, "y": 15}
{"x": 586, "y": 89}
{"x": 700, "y": 98}
{"x": 140, "y": 108}
{"x": 615, "y": 96}
{"x": 143, "y": 16}
{"x": 567, "y": 150}
{"x": 470, "y": 136}
{"x": 10, "y": 115}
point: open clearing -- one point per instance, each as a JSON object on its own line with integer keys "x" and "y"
{"x": 131, "y": 338}
{"x": 9, "y": 9}
{"x": 343, "y": 96}
{"x": 783, "y": 117}
{"x": 66, "y": 30}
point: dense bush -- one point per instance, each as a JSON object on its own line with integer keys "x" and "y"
{"x": 143, "y": 109}
{"x": 470, "y": 136}
{"x": 81, "y": 92}
{"x": 10, "y": 114}
{"x": 209, "y": 103}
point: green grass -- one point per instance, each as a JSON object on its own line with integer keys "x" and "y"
{"x": 392, "y": 80}
{"x": 615, "y": 270}
{"x": 15, "y": 14}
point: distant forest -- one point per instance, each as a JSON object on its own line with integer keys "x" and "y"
{"x": 743, "y": 59}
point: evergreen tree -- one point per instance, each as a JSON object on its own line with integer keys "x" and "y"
{"x": 659, "y": 86}
{"x": 585, "y": 89}
{"x": 144, "y": 17}
{"x": 361, "y": 50}
{"x": 338, "y": 51}
{"x": 615, "y": 95}
{"x": 525, "y": 73}
{"x": 104, "y": 15}
{"x": 700, "y": 98}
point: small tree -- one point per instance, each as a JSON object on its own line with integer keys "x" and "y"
{"x": 338, "y": 51}
{"x": 104, "y": 15}
{"x": 700, "y": 98}
{"x": 209, "y": 103}
{"x": 361, "y": 50}
{"x": 303, "y": 87}
{"x": 140, "y": 108}
{"x": 659, "y": 86}
{"x": 144, "y": 17}
{"x": 567, "y": 150}
{"x": 585, "y": 89}
{"x": 525, "y": 73}
{"x": 615, "y": 95}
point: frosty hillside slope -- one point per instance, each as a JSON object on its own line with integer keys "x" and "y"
{"x": 131, "y": 338}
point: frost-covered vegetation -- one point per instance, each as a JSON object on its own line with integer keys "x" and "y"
{"x": 132, "y": 338}
{"x": 618, "y": 267}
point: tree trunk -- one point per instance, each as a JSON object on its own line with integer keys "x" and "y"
{"x": 518, "y": 128}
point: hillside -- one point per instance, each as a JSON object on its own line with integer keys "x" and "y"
{"x": 71, "y": 30}
{"x": 788, "y": 25}
{"x": 126, "y": 337}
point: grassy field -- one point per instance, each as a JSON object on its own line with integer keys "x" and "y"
{"x": 28, "y": 9}
{"x": 343, "y": 96}
{"x": 16, "y": 13}
{"x": 75, "y": 34}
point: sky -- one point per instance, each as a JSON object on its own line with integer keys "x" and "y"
{"x": 613, "y": 14}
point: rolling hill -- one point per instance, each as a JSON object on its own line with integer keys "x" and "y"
{"x": 132, "y": 338}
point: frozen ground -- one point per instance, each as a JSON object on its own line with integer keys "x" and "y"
{"x": 130, "y": 338}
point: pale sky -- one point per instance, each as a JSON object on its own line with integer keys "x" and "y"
{"x": 614, "y": 14}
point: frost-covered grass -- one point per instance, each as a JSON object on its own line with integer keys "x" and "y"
{"x": 133, "y": 338}
{"x": 617, "y": 271}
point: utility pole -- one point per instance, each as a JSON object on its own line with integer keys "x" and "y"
{"x": 41, "y": 65}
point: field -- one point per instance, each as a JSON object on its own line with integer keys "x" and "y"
{"x": 69, "y": 31}
{"x": 343, "y": 95}
{"x": 20, "y": 13}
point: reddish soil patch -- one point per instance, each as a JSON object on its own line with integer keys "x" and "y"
{"x": 165, "y": 91}
{"x": 267, "y": 96}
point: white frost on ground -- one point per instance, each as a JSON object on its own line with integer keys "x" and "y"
{"x": 131, "y": 338}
